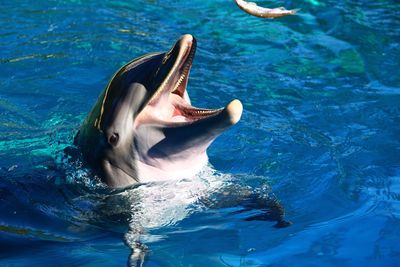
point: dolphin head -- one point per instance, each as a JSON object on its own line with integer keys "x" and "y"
{"x": 143, "y": 126}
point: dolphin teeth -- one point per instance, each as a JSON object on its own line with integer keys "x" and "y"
{"x": 179, "y": 83}
{"x": 195, "y": 113}
{"x": 185, "y": 70}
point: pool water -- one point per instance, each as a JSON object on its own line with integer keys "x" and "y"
{"x": 319, "y": 135}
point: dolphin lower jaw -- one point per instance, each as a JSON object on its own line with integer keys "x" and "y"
{"x": 178, "y": 149}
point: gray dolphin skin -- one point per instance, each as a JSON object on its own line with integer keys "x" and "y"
{"x": 143, "y": 127}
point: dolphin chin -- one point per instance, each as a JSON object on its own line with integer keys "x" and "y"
{"x": 144, "y": 127}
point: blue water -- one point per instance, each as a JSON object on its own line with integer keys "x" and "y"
{"x": 320, "y": 133}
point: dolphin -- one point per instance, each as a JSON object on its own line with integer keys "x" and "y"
{"x": 143, "y": 127}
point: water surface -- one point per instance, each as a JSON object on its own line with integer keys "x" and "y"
{"x": 320, "y": 133}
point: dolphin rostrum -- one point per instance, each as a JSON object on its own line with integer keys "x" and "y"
{"x": 143, "y": 127}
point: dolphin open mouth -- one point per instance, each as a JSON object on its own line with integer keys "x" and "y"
{"x": 171, "y": 135}
{"x": 170, "y": 103}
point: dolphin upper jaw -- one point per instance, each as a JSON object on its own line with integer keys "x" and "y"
{"x": 145, "y": 126}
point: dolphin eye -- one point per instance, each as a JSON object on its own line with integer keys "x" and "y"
{"x": 113, "y": 139}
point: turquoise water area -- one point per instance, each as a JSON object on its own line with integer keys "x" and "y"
{"x": 319, "y": 134}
